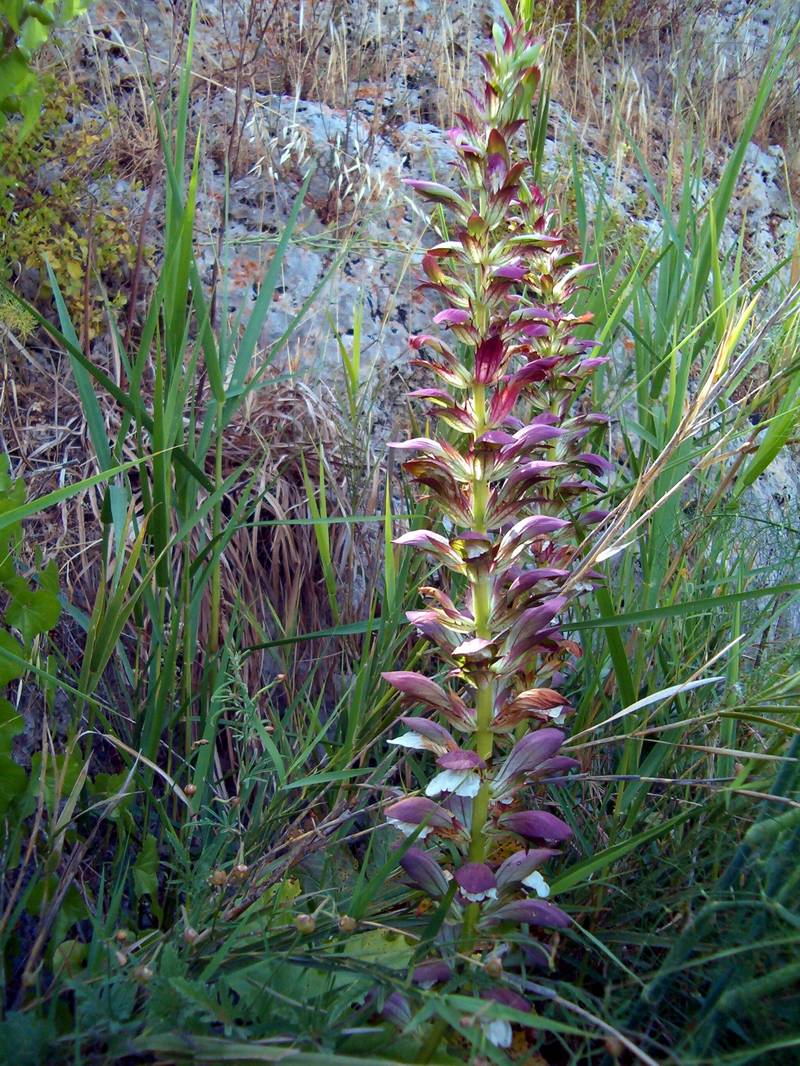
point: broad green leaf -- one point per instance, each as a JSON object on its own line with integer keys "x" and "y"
{"x": 31, "y": 611}
{"x": 13, "y": 781}
{"x": 145, "y": 869}
{"x": 11, "y": 725}
{"x": 10, "y": 668}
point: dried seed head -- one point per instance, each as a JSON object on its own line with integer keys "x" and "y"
{"x": 218, "y": 878}
{"x": 347, "y": 924}
{"x": 190, "y": 935}
{"x": 190, "y": 790}
{"x": 122, "y": 936}
{"x": 143, "y": 974}
{"x": 305, "y": 924}
{"x": 493, "y": 966}
{"x": 240, "y": 872}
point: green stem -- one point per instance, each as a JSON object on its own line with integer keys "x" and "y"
{"x": 216, "y": 530}
{"x": 484, "y": 700}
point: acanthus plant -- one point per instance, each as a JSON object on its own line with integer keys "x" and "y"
{"x": 514, "y": 497}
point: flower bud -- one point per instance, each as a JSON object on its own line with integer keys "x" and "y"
{"x": 218, "y": 878}
{"x": 190, "y": 791}
{"x": 122, "y": 936}
{"x": 143, "y": 974}
{"x": 190, "y": 935}
{"x": 240, "y": 872}
{"x": 347, "y": 924}
{"x": 305, "y": 924}
{"x": 493, "y": 966}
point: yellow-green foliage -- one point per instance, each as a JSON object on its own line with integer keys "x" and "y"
{"x": 16, "y": 318}
{"x": 25, "y": 25}
{"x": 48, "y": 214}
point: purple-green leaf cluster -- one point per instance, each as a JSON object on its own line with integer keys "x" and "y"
{"x": 514, "y": 486}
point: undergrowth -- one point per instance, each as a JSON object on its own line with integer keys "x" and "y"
{"x": 59, "y": 208}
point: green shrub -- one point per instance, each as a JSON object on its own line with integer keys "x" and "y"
{"x": 49, "y": 215}
{"x": 24, "y": 27}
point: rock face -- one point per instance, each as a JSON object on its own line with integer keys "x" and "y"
{"x": 386, "y": 76}
{"x": 769, "y": 520}
{"x": 361, "y": 152}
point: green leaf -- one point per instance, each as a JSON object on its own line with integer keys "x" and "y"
{"x": 31, "y": 611}
{"x": 70, "y": 956}
{"x": 11, "y": 725}
{"x": 63, "y": 770}
{"x": 330, "y": 775}
{"x": 581, "y": 872}
{"x": 145, "y": 870}
{"x": 90, "y": 403}
{"x": 13, "y": 782}
{"x": 10, "y": 670}
{"x": 27, "y": 1039}
{"x": 389, "y": 950}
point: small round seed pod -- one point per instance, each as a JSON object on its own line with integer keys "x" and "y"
{"x": 305, "y": 924}
{"x": 614, "y": 1046}
{"x": 143, "y": 974}
{"x": 122, "y": 936}
{"x": 347, "y": 924}
{"x": 494, "y": 966}
{"x": 240, "y": 872}
{"x": 190, "y": 790}
{"x": 190, "y": 935}
{"x": 218, "y": 878}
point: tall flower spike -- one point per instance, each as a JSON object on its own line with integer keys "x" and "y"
{"x": 514, "y": 479}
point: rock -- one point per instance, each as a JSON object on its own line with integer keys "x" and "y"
{"x": 768, "y": 520}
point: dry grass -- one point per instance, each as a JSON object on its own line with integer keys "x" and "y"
{"x": 271, "y": 575}
{"x": 342, "y": 52}
{"x": 643, "y": 77}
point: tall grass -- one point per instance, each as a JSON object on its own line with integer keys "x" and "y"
{"x": 219, "y": 779}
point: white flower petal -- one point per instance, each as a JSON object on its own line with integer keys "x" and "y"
{"x": 409, "y": 740}
{"x": 557, "y": 715}
{"x": 407, "y": 828}
{"x": 538, "y": 884}
{"x": 460, "y": 782}
{"x": 479, "y": 897}
{"x": 498, "y": 1033}
{"x": 470, "y": 786}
